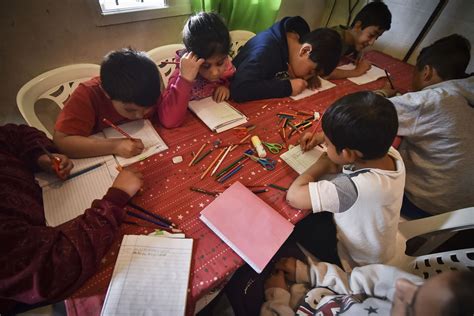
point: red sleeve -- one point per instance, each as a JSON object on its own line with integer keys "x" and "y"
{"x": 78, "y": 115}
{"x": 174, "y": 101}
{"x": 50, "y": 263}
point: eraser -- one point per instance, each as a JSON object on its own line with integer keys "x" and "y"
{"x": 177, "y": 159}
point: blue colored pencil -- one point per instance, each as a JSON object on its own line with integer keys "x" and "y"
{"x": 97, "y": 165}
{"x": 158, "y": 217}
{"x": 230, "y": 174}
{"x": 150, "y": 220}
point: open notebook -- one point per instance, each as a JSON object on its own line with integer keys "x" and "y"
{"x": 150, "y": 277}
{"x": 373, "y": 74}
{"x": 218, "y": 117}
{"x": 253, "y": 229}
{"x": 300, "y": 161}
{"x": 325, "y": 85}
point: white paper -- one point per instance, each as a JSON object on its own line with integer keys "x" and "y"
{"x": 150, "y": 277}
{"x": 372, "y": 74}
{"x": 300, "y": 161}
{"x": 325, "y": 85}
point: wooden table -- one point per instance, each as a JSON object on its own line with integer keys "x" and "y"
{"x": 166, "y": 190}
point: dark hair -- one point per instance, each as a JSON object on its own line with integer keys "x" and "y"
{"x": 206, "y": 34}
{"x": 326, "y": 48}
{"x": 449, "y": 56}
{"x": 362, "y": 121}
{"x": 128, "y": 75}
{"x": 461, "y": 301}
{"x": 374, "y": 14}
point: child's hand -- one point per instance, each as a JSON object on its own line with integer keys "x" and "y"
{"x": 189, "y": 66}
{"x": 362, "y": 67}
{"x": 129, "y": 181}
{"x": 128, "y": 147}
{"x": 309, "y": 140}
{"x": 276, "y": 279}
{"x": 388, "y": 91}
{"x": 65, "y": 166}
{"x": 288, "y": 266}
{"x": 314, "y": 82}
{"x": 328, "y": 164}
{"x": 298, "y": 85}
{"x": 221, "y": 93}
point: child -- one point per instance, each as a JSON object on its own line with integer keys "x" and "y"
{"x": 128, "y": 89}
{"x": 436, "y": 123}
{"x": 324, "y": 289}
{"x": 366, "y": 197}
{"x": 277, "y": 62}
{"x": 205, "y": 62}
{"x": 368, "y": 25}
{"x": 40, "y": 264}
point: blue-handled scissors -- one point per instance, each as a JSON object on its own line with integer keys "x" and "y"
{"x": 267, "y": 163}
{"x": 274, "y": 148}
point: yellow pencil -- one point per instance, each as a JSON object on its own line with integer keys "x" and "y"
{"x": 212, "y": 163}
{"x": 200, "y": 149}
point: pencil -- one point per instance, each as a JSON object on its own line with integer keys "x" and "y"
{"x": 97, "y": 165}
{"x": 271, "y": 185}
{"x": 158, "y": 217}
{"x": 115, "y": 127}
{"x": 169, "y": 63}
{"x": 231, "y": 173}
{"x": 202, "y": 156}
{"x": 221, "y": 160}
{"x": 204, "y": 191}
{"x": 56, "y": 161}
{"x": 150, "y": 220}
{"x": 389, "y": 80}
{"x": 199, "y": 151}
{"x": 240, "y": 142}
{"x": 212, "y": 164}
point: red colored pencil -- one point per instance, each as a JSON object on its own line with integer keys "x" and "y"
{"x": 115, "y": 127}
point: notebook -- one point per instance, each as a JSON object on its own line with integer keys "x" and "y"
{"x": 253, "y": 229}
{"x": 150, "y": 277}
{"x": 300, "y": 161}
{"x": 218, "y": 117}
{"x": 372, "y": 74}
{"x": 325, "y": 85}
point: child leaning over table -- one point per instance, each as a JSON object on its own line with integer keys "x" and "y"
{"x": 204, "y": 64}
{"x": 128, "y": 89}
{"x": 367, "y": 178}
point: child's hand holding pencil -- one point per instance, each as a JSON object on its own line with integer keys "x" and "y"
{"x": 126, "y": 147}
{"x": 56, "y": 163}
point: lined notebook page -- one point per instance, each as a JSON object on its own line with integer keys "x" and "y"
{"x": 325, "y": 85}
{"x": 300, "y": 161}
{"x": 373, "y": 74}
{"x": 150, "y": 277}
{"x": 141, "y": 129}
{"x": 66, "y": 200}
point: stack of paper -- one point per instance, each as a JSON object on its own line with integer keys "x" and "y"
{"x": 253, "y": 229}
{"x": 218, "y": 117}
{"x": 372, "y": 74}
{"x": 300, "y": 161}
{"x": 150, "y": 277}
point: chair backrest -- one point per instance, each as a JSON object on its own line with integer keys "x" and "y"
{"x": 238, "y": 39}
{"x": 165, "y": 53}
{"x": 55, "y": 85}
{"x": 431, "y": 264}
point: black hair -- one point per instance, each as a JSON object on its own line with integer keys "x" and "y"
{"x": 128, "y": 75}
{"x": 449, "y": 56}
{"x": 374, "y": 14}
{"x": 326, "y": 48}
{"x": 461, "y": 301}
{"x": 206, "y": 34}
{"x": 362, "y": 121}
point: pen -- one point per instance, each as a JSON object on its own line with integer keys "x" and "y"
{"x": 169, "y": 63}
{"x": 56, "y": 161}
{"x": 389, "y": 80}
{"x": 97, "y": 165}
{"x": 115, "y": 127}
{"x": 158, "y": 217}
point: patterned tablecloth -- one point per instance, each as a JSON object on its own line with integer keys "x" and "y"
{"x": 166, "y": 191}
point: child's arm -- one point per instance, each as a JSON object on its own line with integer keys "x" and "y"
{"x": 298, "y": 194}
{"x": 362, "y": 67}
{"x": 76, "y": 146}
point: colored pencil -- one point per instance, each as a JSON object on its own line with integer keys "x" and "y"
{"x": 389, "y": 80}
{"x": 158, "y": 217}
{"x": 212, "y": 193}
{"x": 212, "y": 163}
{"x": 230, "y": 174}
{"x": 240, "y": 142}
{"x": 226, "y": 151}
{"x": 56, "y": 161}
{"x": 169, "y": 63}
{"x": 115, "y": 127}
{"x": 150, "y": 220}
{"x": 271, "y": 185}
{"x": 202, "y": 156}
{"x": 199, "y": 151}
{"x": 85, "y": 170}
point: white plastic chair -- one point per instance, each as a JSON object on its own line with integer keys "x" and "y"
{"x": 55, "y": 85}
{"x": 238, "y": 39}
{"x": 165, "y": 53}
{"x": 429, "y": 265}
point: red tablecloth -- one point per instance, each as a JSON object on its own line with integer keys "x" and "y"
{"x": 167, "y": 193}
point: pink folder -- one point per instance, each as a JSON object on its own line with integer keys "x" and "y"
{"x": 253, "y": 229}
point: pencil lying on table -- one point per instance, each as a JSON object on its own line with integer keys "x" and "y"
{"x": 85, "y": 170}
{"x": 150, "y": 220}
{"x": 115, "y": 127}
{"x": 158, "y": 217}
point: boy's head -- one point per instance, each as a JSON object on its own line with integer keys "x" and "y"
{"x": 131, "y": 80}
{"x": 448, "y": 293}
{"x": 206, "y": 35}
{"x": 318, "y": 55}
{"x": 445, "y": 59}
{"x": 362, "y": 122}
{"x": 369, "y": 24}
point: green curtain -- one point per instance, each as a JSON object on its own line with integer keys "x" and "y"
{"x": 250, "y": 15}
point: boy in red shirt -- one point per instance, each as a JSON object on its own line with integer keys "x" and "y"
{"x": 128, "y": 89}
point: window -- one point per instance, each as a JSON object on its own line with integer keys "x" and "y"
{"x": 108, "y": 12}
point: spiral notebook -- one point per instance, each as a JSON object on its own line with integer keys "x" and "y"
{"x": 248, "y": 225}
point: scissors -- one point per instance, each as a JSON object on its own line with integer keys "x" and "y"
{"x": 274, "y": 148}
{"x": 267, "y": 163}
